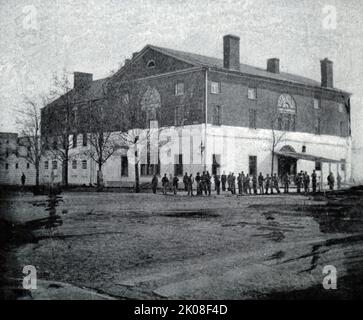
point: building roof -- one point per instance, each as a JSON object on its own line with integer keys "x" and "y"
{"x": 206, "y": 61}
{"x": 94, "y": 91}
{"x": 304, "y": 156}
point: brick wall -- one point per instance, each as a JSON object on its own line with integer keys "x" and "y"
{"x": 236, "y": 105}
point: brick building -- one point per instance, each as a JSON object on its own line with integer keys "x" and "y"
{"x": 216, "y": 114}
{"x": 13, "y": 162}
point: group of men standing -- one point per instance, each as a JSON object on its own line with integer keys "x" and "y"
{"x": 245, "y": 183}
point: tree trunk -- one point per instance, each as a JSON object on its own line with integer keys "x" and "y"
{"x": 99, "y": 178}
{"x": 272, "y": 162}
{"x": 137, "y": 178}
{"x": 65, "y": 173}
{"x": 37, "y": 174}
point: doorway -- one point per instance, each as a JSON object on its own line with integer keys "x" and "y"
{"x": 286, "y": 165}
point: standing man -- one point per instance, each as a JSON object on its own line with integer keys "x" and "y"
{"x": 209, "y": 183}
{"x": 217, "y": 184}
{"x": 175, "y": 184}
{"x": 254, "y": 183}
{"x": 204, "y": 183}
{"x": 306, "y": 182}
{"x": 331, "y": 181}
{"x": 229, "y": 181}
{"x": 275, "y": 183}
{"x": 233, "y": 184}
{"x": 286, "y": 182}
{"x": 260, "y": 182}
{"x": 23, "y": 178}
{"x": 298, "y": 182}
{"x": 165, "y": 182}
{"x": 339, "y": 181}
{"x": 248, "y": 184}
{"x": 243, "y": 177}
{"x": 239, "y": 182}
{"x": 154, "y": 183}
{"x": 313, "y": 181}
{"x": 268, "y": 183}
{"x": 185, "y": 181}
{"x": 190, "y": 182}
{"x": 224, "y": 180}
{"x": 197, "y": 179}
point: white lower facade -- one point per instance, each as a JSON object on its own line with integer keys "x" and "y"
{"x": 231, "y": 149}
{"x": 13, "y": 168}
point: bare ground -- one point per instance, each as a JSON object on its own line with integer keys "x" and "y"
{"x": 132, "y": 246}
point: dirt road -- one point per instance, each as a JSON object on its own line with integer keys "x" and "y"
{"x": 126, "y": 246}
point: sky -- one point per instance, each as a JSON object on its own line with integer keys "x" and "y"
{"x": 40, "y": 38}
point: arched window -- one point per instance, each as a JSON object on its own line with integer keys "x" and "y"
{"x": 151, "y": 64}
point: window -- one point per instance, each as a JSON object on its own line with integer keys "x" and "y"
{"x": 286, "y": 122}
{"x": 317, "y": 165}
{"x": 317, "y": 125}
{"x": 6, "y": 166}
{"x": 215, "y": 87}
{"x": 54, "y": 164}
{"x": 74, "y": 116}
{"x": 151, "y": 64}
{"x": 28, "y": 165}
{"x": 252, "y": 93}
{"x": 303, "y": 149}
{"x": 84, "y": 164}
{"x": 279, "y": 123}
{"x": 341, "y": 128}
{"x": 178, "y": 165}
{"x": 16, "y": 165}
{"x": 46, "y": 165}
{"x": 84, "y": 139}
{"x": 216, "y": 116}
{"x": 341, "y": 107}
{"x": 317, "y": 103}
{"x": 216, "y": 163}
{"x": 252, "y": 163}
{"x": 74, "y": 164}
{"x": 181, "y": 115}
{"x": 150, "y": 169}
{"x": 74, "y": 141}
{"x": 179, "y": 89}
{"x": 342, "y": 164}
{"x": 124, "y": 166}
{"x": 252, "y": 118}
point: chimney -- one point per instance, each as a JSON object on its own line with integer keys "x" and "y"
{"x": 273, "y": 65}
{"x": 231, "y": 52}
{"x": 327, "y": 73}
{"x": 82, "y": 80}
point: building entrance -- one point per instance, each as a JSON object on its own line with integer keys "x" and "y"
{"x": 287, "y": 164}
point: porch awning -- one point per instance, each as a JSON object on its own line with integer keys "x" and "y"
{"x": 304, "y": 156}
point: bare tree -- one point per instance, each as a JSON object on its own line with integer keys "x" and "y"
{"x": 28, "y": 121}
{"x": 104, "y": 141}
{"x": 132, "y": 122}
{"x": 62, "y": 120}
{"x": 277, "y": 135}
